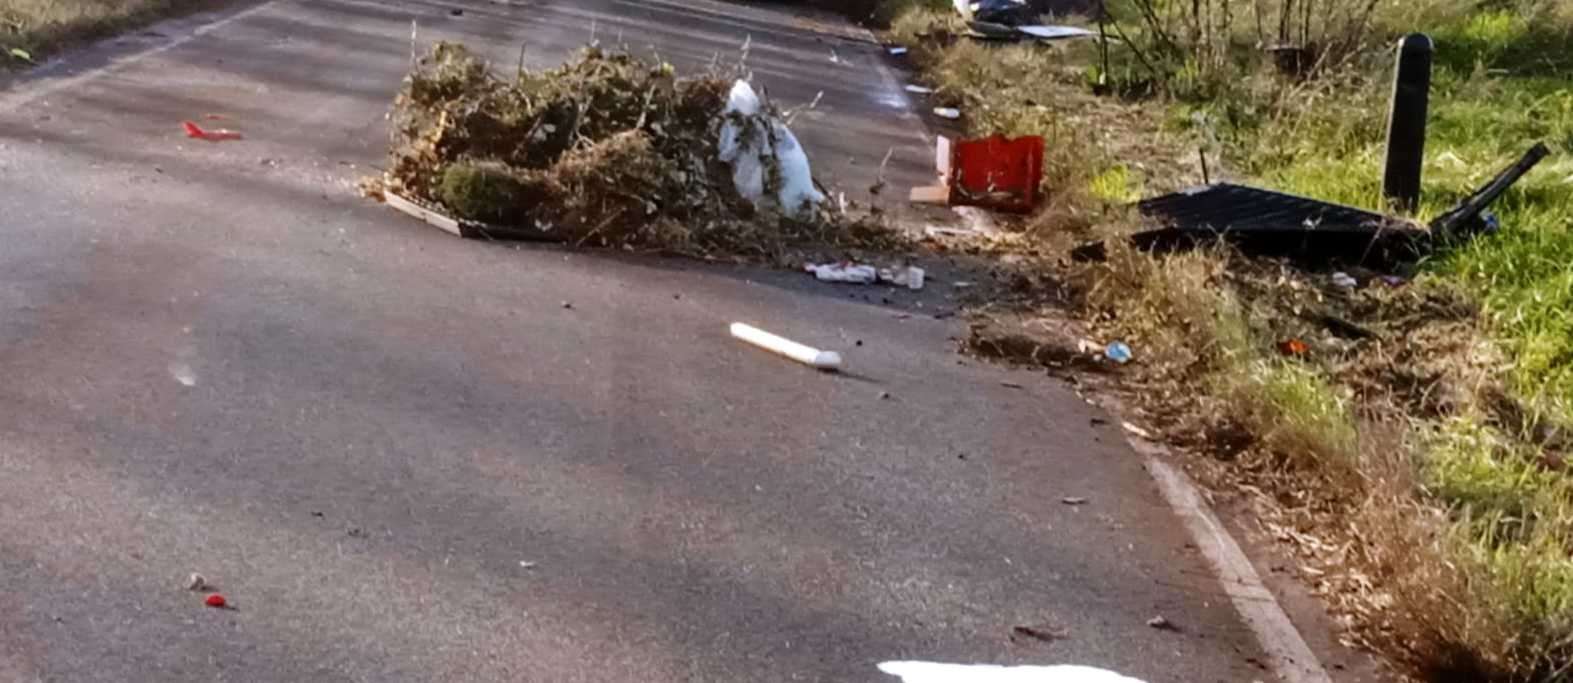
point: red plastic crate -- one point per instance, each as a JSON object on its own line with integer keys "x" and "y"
{"x": 997, "y": 172}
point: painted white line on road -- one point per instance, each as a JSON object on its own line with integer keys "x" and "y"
{"x": 1287, "y": 654}
{"x": 30, "y": 92}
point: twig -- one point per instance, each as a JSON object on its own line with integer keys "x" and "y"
{"x": 414, "y": 32}
{"x": 644, "y": 110}
{"x": 879, "y": 182}
{"x": 791, "y": 114}
{"x": 597, "y": 229}
{"x": 1140, "y": 57}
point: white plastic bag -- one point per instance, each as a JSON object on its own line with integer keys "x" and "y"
{"x": 753, "y": 143}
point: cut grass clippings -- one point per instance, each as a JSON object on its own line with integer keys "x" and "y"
{"x": 1409, "y": 439}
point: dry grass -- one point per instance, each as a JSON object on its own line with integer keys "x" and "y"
{"x": 31, "y": 29}
{"x": 1423, "y": 483}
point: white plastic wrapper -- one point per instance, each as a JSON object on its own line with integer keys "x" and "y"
{"x": 752, "y": 142}
{"x": 843, "y": 272}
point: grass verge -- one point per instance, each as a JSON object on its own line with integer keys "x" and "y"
{"x": 1410, "y": 444}
{"x": 33, "y": 29}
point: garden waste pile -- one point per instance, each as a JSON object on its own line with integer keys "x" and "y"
{"x": 611, "y": 150}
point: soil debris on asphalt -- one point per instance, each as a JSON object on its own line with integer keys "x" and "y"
{"x": 607, "y": 150}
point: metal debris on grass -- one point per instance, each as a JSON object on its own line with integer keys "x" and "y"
{"x": 1266, "y": 223}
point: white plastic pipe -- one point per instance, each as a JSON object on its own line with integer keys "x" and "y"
{"x": 807, "y": 355}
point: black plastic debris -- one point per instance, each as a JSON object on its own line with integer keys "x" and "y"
{"x": 1014, "y": 20}
{"x": 1469, "y": 218}
{"x": 1266, "y": 223}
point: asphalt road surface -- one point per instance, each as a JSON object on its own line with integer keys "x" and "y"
{"x": 402, "y": 458}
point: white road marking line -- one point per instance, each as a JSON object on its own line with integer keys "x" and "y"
{"x": 1287, "y": 654}
{"x": 44, "y": 88}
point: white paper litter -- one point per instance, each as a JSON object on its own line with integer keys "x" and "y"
{"x": 947, "y": 112}
{"x": 921, "y": 90}
{"x": 910, "y": 277}
{"x": 752, "y": 140}
{"x": 847, "y": 272}
{"x": 898, "y": 50}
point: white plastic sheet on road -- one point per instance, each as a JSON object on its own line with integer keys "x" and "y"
{"x": 931, "y": 672}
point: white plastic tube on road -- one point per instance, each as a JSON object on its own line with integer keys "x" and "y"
{"x": 807, "y": 355}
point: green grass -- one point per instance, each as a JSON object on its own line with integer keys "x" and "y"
{"x": 1503, "y": 81}
{"x": 31, "y": 29}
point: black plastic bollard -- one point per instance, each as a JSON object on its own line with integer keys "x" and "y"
{"x": 1406, "y": 122}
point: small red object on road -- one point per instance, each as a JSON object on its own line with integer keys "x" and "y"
{"x": 216, "y": 600}
{"x": 220, "y": 135}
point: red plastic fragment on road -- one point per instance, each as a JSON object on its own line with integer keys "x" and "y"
{"x": 216, "y": 600}
{"x": 220, "y": 135}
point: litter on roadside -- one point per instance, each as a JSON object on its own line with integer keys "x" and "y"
{"x": 1293, "y": 347}
{"x": 896, "y": 50}
{"x": 196, "y": 582}
{"x": 910, "y": 277}
{"x": 1118, "y": 352}
{"x": 996, "y": 172}
{"x": 920, "y": 89}
{"x": 216, "y": 601}
{"x": 759, "y": 145}
{"x": 1266, "y": 223}
{"x": 951, "y": 113}
{"x": 1343, "y": 280}
{"x": 807, "y": 355}
{"x": 1055, "y": 32}
{"x": 847, "y": 272}
{"x": 1136, "y": 431}
{"x": 1073, "y": 500}
{"x": 1002, "y": 20}
{"x": 217, "y": 135}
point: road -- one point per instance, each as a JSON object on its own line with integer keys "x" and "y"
{"x": 403, "y": 458}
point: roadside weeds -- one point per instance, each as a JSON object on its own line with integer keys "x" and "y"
{"x": 1410, "y": 444}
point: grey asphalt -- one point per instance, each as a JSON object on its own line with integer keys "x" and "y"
{"x": 402, "y": 458}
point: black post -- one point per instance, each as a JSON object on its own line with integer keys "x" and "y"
{"x": 1406, "y": 122}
